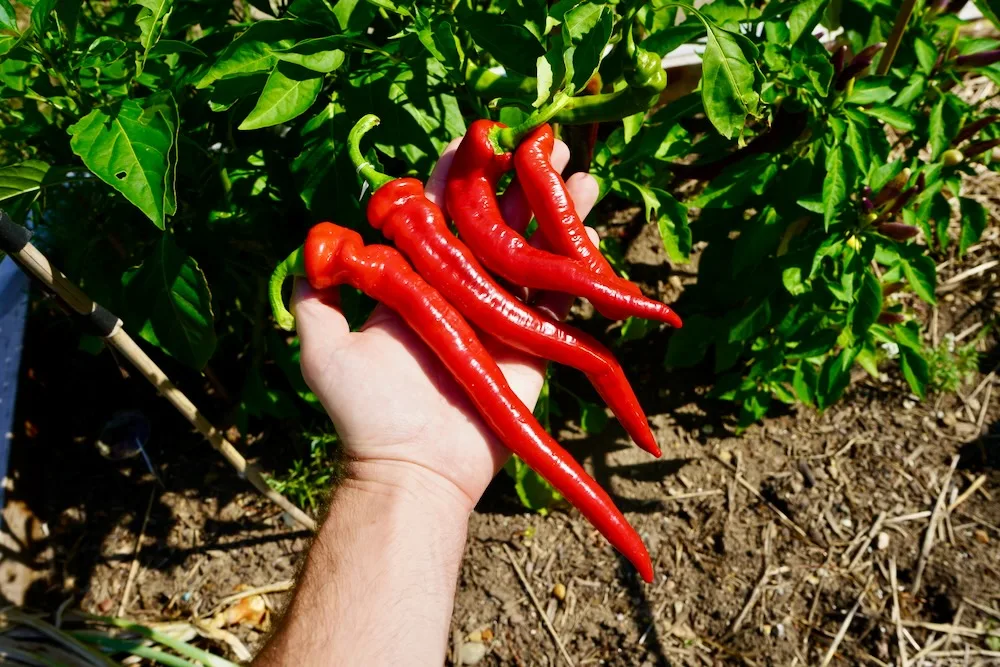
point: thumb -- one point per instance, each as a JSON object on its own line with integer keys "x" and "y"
{"x": 320, "y": 322}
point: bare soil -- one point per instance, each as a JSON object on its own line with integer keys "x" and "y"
{"x": 776, "y": 547}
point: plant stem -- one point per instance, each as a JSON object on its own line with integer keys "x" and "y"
{"x": 902, "y": 18}
{"x": 133, "y": 647}
{"x": 508, "y": 138}
{"x": 376, "y": 178}
{"x": 293, "y": 265}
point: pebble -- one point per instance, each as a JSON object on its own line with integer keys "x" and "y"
{"x": 559, "y": 591}
{"x": 471, "y": 653}
{"x": 883, "y": 541}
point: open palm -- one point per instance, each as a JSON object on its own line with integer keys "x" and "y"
{"x": 391, "y": 399}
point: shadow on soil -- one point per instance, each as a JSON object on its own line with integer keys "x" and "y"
{"x": 65, "y": 398}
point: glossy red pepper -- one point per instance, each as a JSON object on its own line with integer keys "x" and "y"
{"x": 418, "y": 228}
{"x": 470, "y": 195}
{"x": 546, "y": 195}
{"x": 335, "y": 256}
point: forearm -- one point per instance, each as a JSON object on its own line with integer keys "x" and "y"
{"x": 379, "y": 582}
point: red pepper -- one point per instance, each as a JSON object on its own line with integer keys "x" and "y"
{"x": 547, "y": 196}
{"x": 401, "y": 210}
{"x": 335, "y": 256}
{"x": 470, "y": 195}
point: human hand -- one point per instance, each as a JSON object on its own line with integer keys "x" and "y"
{"x": 401, "y": 417}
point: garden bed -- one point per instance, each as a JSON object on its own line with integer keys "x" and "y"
{"x": 764, "y": 544}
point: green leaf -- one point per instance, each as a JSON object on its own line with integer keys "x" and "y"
{"x": 170, "y": 304}
{"x": 867, "y": 305}
{"x": 593, "y": 417}
{"x": 290, "y": 91}
{"x": 748, "y": 321}
{"x": 534, "y": 492}
{"x": 737, "y": 182}
{"x": 911, "y": 92}
{"x": 41, "y": 12}
{"x": 945, "y": 122}
{"x": 259, "y": 401}
{"x": 17, "y": 179}
{"x": 916, "y": 370}
{"x": 921, "y": 273}
{"x": 731, "y": 80}
{"x": 319, "y": 55}
{"x": 804, "y": 382}
{"x": 589, "y": 27}
{"x": 867, "y": 360}
{"x": 834, "y": 377}
{"x": 632, "y": 124}
{"x": 132, "y": 146}
{"x": 152, "y": 21}
{"x": 687, "y": 347}
{"x": 165, "y": 47}
{"x": 805, "y": 17}
{"x": 834, "y": 187}
{"x": 753, "y": 408}
{"x": 899, "y": 119}
{"x": 927, "y": 54}
{"x": 872, "y": 90}
{"x": 669, "y": 214}
{"x": 973, "y": 223}
{"x": 8, "y": 19}
{"x": 253, "y": 51}
{"x": 672, "y": 222}
{"x": 512, "y": 45}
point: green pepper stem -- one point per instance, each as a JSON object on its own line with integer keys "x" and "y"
{"x": 376, "y": 178}
{"x": 294, "y": 265}
{"x": 509, "y": 137}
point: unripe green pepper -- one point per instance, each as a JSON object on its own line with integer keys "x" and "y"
{"x": 952, "y": 157}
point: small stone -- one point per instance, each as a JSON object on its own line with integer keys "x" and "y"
{"x": 981, "y": 536}
{"x": 726, "y": 456}
{"x": 487, "y": 634}
{"x": 908, "y": 404}
{"x": 559, "y": 591}
{"x": 620, "y": 617}
{"x": 551, "y": 609}
{"x": 474, "y": 636}
{"x": 779, "y": 631}
{"x": 883, "y": 541}
{"x": 471, "y": 653}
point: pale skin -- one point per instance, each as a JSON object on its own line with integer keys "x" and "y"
{"x": 378, "y": 584}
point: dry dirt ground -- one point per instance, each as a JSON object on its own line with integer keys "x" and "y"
{"x": 866, "y": 535}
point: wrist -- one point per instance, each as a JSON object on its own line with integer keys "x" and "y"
{"x": 395, "y": 482}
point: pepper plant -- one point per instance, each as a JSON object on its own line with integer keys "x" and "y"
{"x": 170, "y": 152}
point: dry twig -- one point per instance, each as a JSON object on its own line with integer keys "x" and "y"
{"x": 538, "y": 605}
{"x": 757, "y": 494}
{"x": 897, "y": 613}
{"x": 939, "y": 509}
{"x": 846, "y": 624}
{"x": 134, "y": 569}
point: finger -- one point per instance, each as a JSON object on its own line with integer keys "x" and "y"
{"x": 524, "y": 373}
{"x": 583, "y": 190}
{"x": 319, "y": 320}
{"x": 514, "y": 206}
{"x": 439, "y": 175}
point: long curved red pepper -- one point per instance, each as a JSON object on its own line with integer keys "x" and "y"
{"x": 546, "y": 194}
{"x": 334, "y": 256}
{"x": 470, "y": 195}
{"x": 401, "y": 210}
